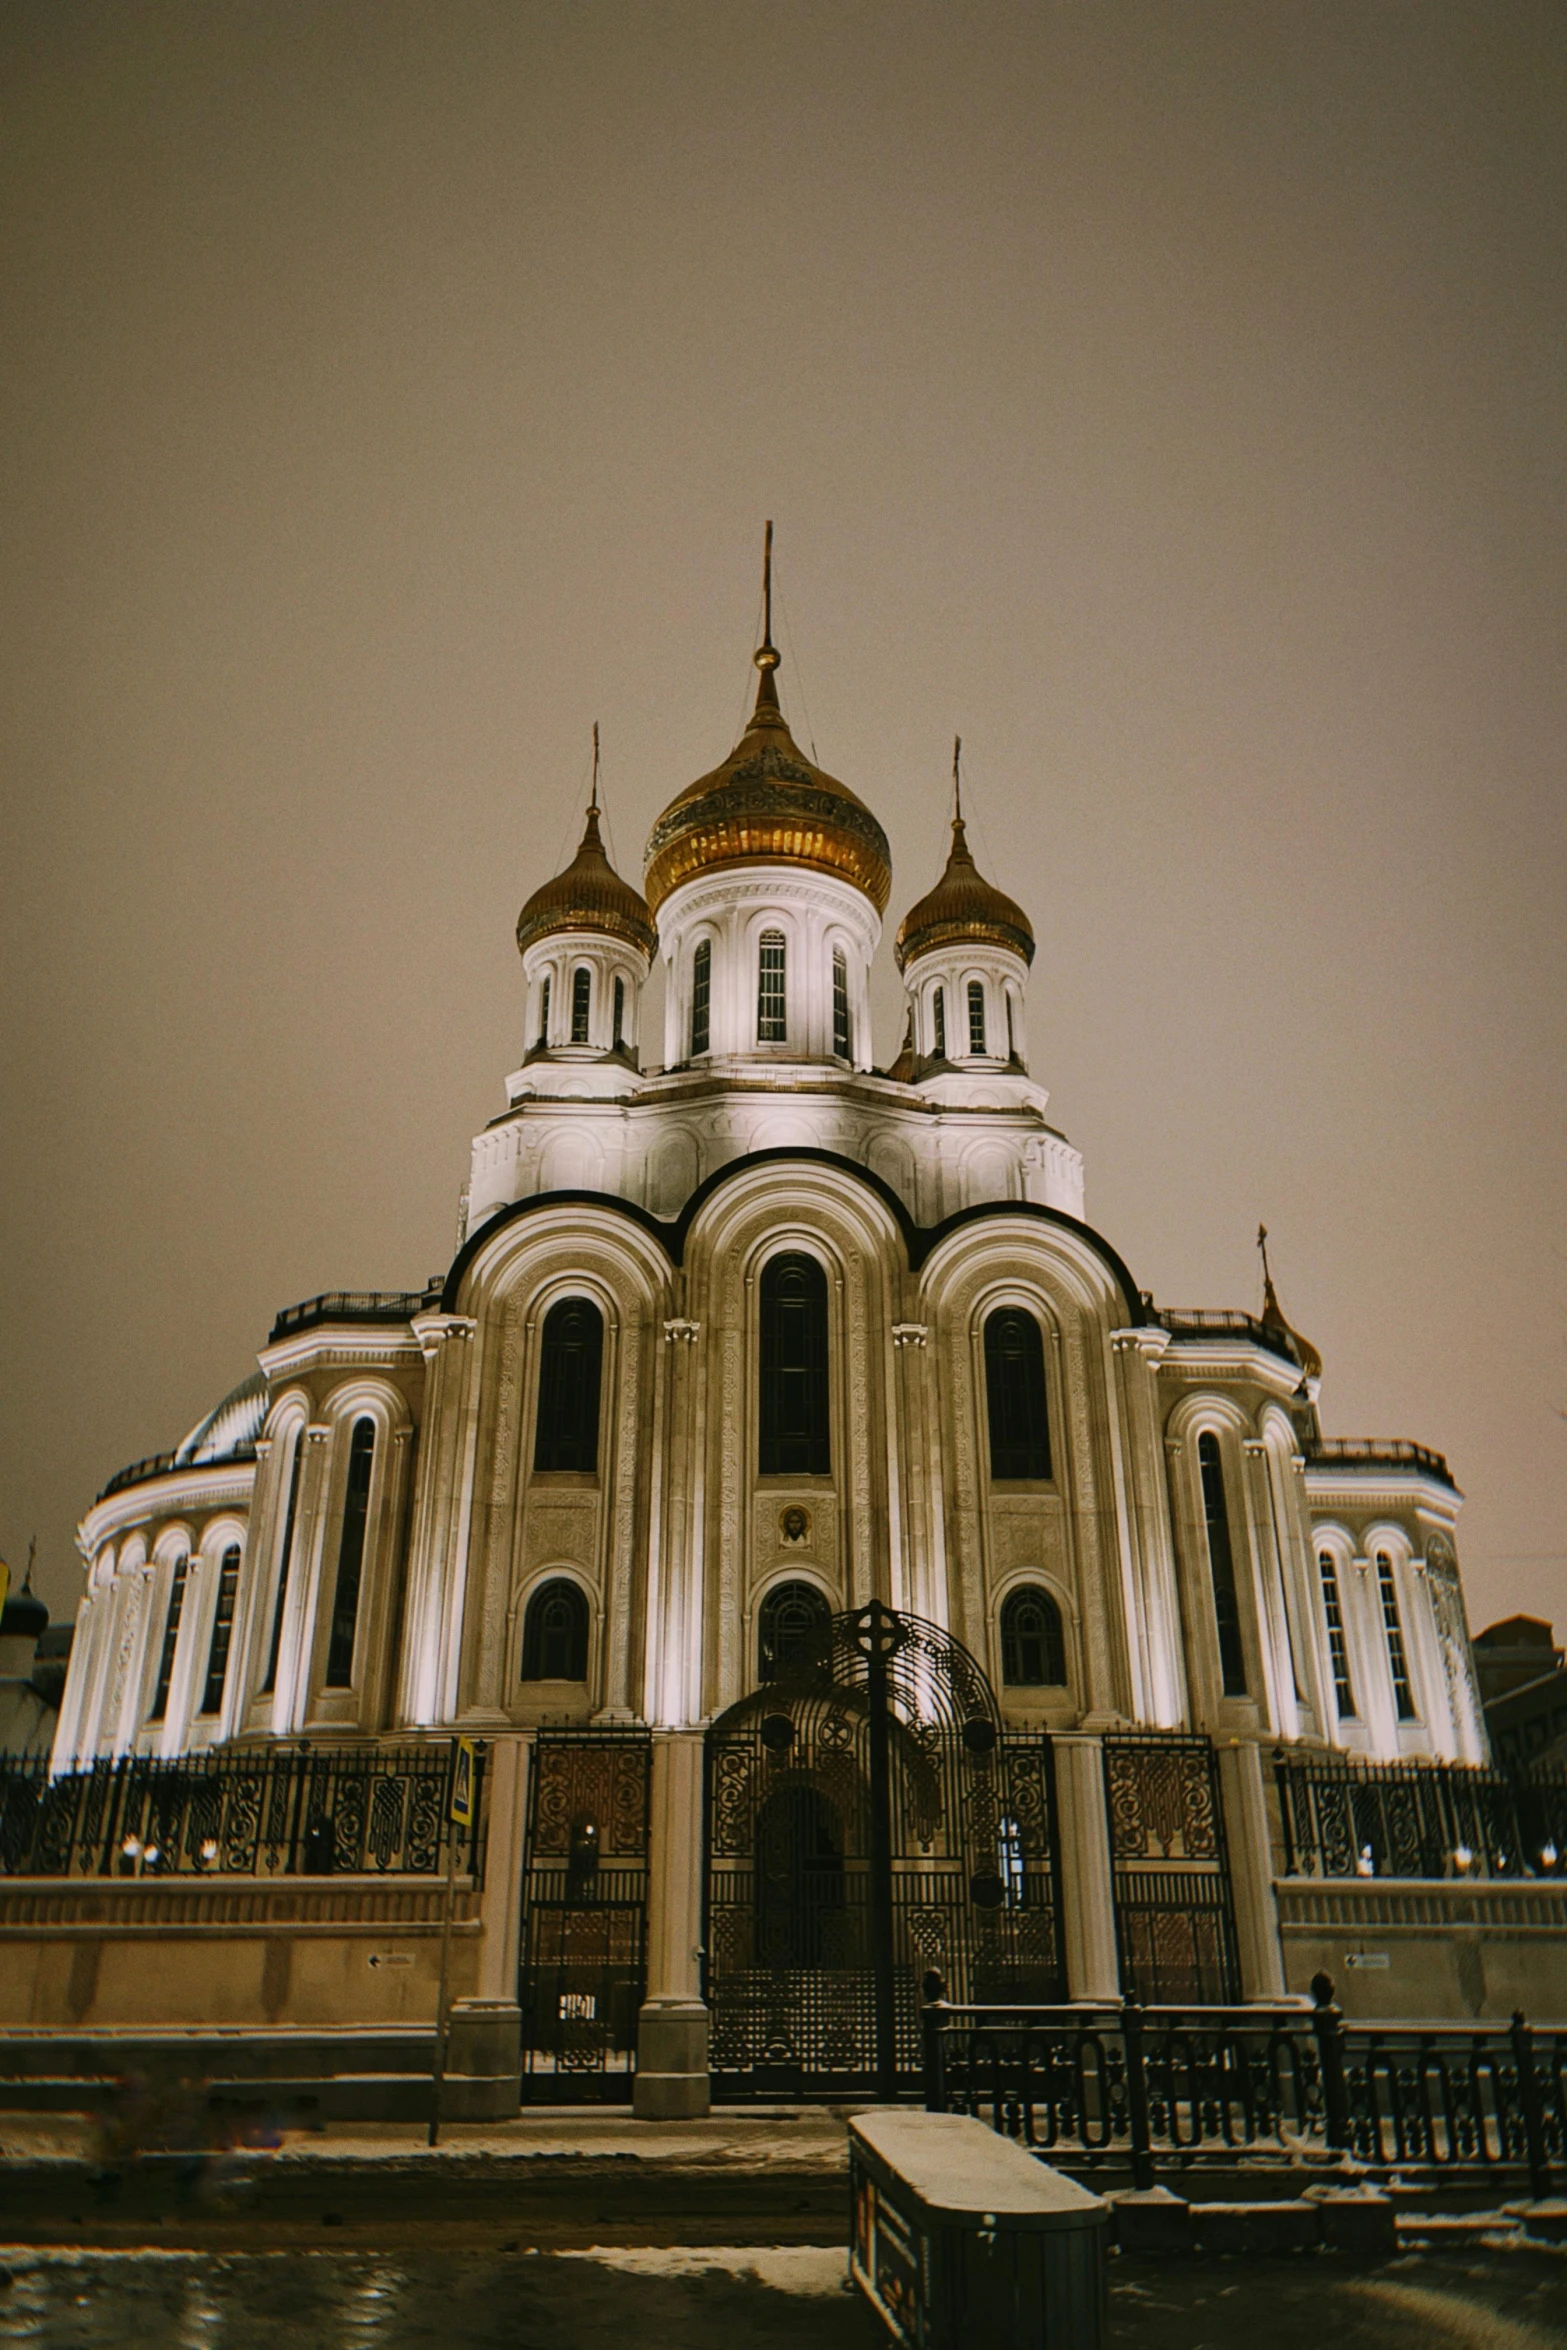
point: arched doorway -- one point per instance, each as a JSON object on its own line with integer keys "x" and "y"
{"x": 869, "y": 1822}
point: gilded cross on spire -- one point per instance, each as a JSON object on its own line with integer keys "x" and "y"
{"x": 594, "y": 799}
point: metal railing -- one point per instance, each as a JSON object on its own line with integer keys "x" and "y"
{"x": 1430, "y": 1820}
{"x": 1219, "y": 1322}
{"x": 279, "y": 1811}
{"x": 164, "y": 1464}
{"x": 354, "y": 1305}
{"x": 1167, "y": 2088}
{"x": 1378, "y": 1452}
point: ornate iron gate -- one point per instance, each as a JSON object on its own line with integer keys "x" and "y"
{"x": 584, "y": 1917}
{"x": 868, "y": 1822}
{"x": 1174, "y": 1915}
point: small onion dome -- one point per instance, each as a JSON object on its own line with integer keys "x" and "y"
{"x": 768, "y": 805}
{"x": 963, "y": 905}
{"x": 24, "y": 1616}
{"x": 1272, "y": 1318}
{"x": 589, "y": 895}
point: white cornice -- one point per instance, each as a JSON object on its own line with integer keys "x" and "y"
{"x": 206, "y": 1485}
{"x": 376, "y": 1346}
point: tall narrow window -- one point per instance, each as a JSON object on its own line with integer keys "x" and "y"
{"x": 1033, "y": 1650}
{"x": 171, "y": 1639}
{"x": 1398, "y": 1662}
{"x": 1011, "y": 1031}
{"x": 794, "y": 1368}
{"x": 976, "y": 1017}
{"x": 544, "y": 1013}
{"x": 555, "y": 1633}
{"x": 571, "y": 1360}
{"x": 701, "y": 996}
{"x": 1338, "y": 1650}
{"x": 619, "y": 1036}
{"x": 284, "y": 1556}
{"x": 772, "y": 1026}
{"x": 792, "y": 1619}
{"x": 350, "y": 1557}
{"x": 938, "y": 1009}
{"x": 222, "y": 1632}
{"x": 1015, "y": 1393}
{"x": 581, "y": 1003}
{"x": 1221, "y": 1563}
{"x": 842, "y": 1037}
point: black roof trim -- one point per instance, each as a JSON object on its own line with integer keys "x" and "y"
{"x": 919, "y": 1240}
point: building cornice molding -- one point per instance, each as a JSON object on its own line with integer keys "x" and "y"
{"x": 207, "y": 1485}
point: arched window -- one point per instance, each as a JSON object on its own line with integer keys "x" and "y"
{"x": 701, "y": 996}
{"x": 976, "y": 1017}
{"x": 350, "y": 1557}
{"x": 1221, "y": 1564}
{"x": 1398, "y": 1662}
{"x": 581, "y": 1003}
{"x": 772, "y": 1024}
{"x": 794, "y": 1368}
{"x": 1033, "y": 1648}
{"x": 1011, "y": 1030}
{"x": 555, "y": 1633}
{"x": 842, "y": 1035}
{"x": 619, "y": 1036}
{"x": 222, "y": 1632}
{"x": 571, "y": 1359}
{"x": 544, "y": 1013}
{"x": 171, "y": 1638}
{"x": 1015, "y": 1392}
{"x": 1338, "y": 1651}
{"x": 274, "y": 1646}
{"x": 791, "y": 1618}
{"x": 938, "y": 1009}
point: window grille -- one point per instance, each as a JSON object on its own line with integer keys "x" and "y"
{"x": 791, "y": 1617}
{"x": 939, "y": 1016}
{"x": 1033, "y": 1646}
{"x": 618, "y": 1037}
{"x": 1015, "y": 1395}
{"x": 171, "y": 1636}
{"x": 350, "y": 1557}
{"x": 1398, "y": 1662}
{"x": 794, "y": 1407}
{"x": 222, "y": 1632}
{"x": 1338, "y": 1649}
{"x": 544, "y": 1013}
{"x": 976, "y": 1017}
{"x": 772, "y": 1026}
{"x": 1221, "y": 1562}
{"x": 581, "y": 1003}
{"x": 284, "y": 1555}
{"x": 555, "y": 1633}
{"x": 701, "y": 996}
{"x": 842, "y": 1039}
{"x": 571, "y": 1360}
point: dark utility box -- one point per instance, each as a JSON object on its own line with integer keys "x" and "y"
{"x": 960, "y": 2237}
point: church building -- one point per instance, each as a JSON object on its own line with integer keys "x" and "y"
{"x": 845, "y": 1571}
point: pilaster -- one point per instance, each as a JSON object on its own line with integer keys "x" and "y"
{"x": 1088, "y": 1945}
{"x": 672, "y": 2030}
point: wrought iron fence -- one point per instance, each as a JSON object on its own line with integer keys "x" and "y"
{"x": 355, "y": 1305}
{"x": 1170, "y": 2088}
{"x": 266, "y": 1812}
{"x": 1418, "y": 1820}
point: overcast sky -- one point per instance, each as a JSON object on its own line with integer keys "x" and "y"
{"x": 1168, "y": 398}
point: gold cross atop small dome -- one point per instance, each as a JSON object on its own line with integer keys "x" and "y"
{"x": 963, "y": 905}
{"x": 768, "y": 805}
{"x": 589, "y": 895}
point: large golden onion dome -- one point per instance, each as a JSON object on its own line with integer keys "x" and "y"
{"x": 963, "y": 905}
{"x": 589, "y": 895}
{"x": 768, "y": 805}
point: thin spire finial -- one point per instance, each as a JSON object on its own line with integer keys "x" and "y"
{"x": 767, "y": 587}
{"x": 32, "y": 1553}
{"x": 957, "y": 779}
{"x": 594, "y": 800}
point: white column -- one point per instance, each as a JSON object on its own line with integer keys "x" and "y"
{"x": 1087, "y": 1887}
{"x": 672, "y": 2030}
{"x": 1250, "y": 1847}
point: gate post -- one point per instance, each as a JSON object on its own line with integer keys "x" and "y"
{"x": 484, "y": 2050}
{"x": 1088, "y": 1944}
{"x": 672, "y": 2029}
{"x": 1250, "y": 1845}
